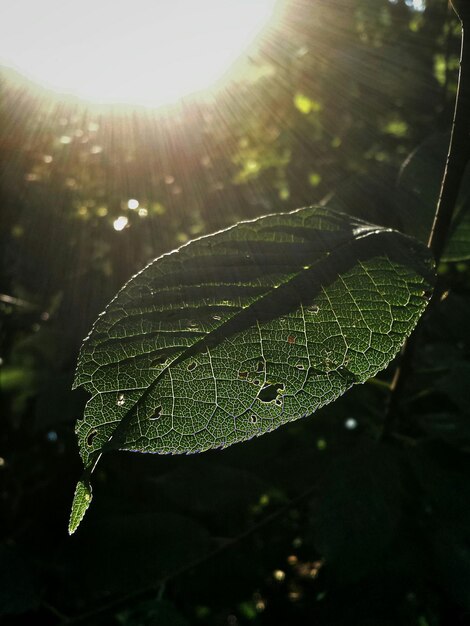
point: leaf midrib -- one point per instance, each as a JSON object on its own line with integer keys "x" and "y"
{"x": 195, "y": 348}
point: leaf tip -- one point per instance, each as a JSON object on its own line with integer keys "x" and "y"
{"x": 81, "y": 501}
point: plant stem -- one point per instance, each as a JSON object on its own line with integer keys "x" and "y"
{"x": 459, "y": 147}
{"x": 457, "y": 159}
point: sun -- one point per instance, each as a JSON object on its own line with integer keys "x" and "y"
{"x": 148, "y": 52}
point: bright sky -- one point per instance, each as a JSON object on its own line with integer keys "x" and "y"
{"x": 128, "y": 51}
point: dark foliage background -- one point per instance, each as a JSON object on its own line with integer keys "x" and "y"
{"x": 318, "y": 522}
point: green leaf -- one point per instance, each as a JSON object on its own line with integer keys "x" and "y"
{"x": 418, "y": 193}
{"x": 236, "y": 333}
{"x": 81, "y": 501}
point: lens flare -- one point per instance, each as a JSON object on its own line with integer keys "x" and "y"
{"x": 147, "y": 52}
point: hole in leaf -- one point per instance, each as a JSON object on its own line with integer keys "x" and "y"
{"x": 90, "y": 437}
{"x": 191, "y": 366}
{"x": 347, "y": 374}
{"x": 158, "y": 361}
{"x": 278, "y": 401}
{"x": 260, "y": 367}
{"x": 242, "y": 374}
{"x": 300, "y": 366}
{"x": 314, "y": 308}
{"x": 253, "y": 419}
{"x": 157, "y": 413}
{"x": 256, "y": 382}
{"x": 120, "y": 399}
{"x": 216, "y": 317}
{"x": 270, "y": 392}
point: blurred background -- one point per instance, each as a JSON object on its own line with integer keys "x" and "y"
{"x": 318, "y": 101}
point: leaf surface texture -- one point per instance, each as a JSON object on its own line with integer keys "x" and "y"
{"x": 236, "y": 333}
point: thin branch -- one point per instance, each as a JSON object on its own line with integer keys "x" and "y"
{"x": 54, "y": 611}
{"x": 458, "y": 158}
{"x": 459, "y": 147}
{"x": 397, "y": 385}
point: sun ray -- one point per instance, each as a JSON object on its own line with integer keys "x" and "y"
{"x": 143, "y": 52}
